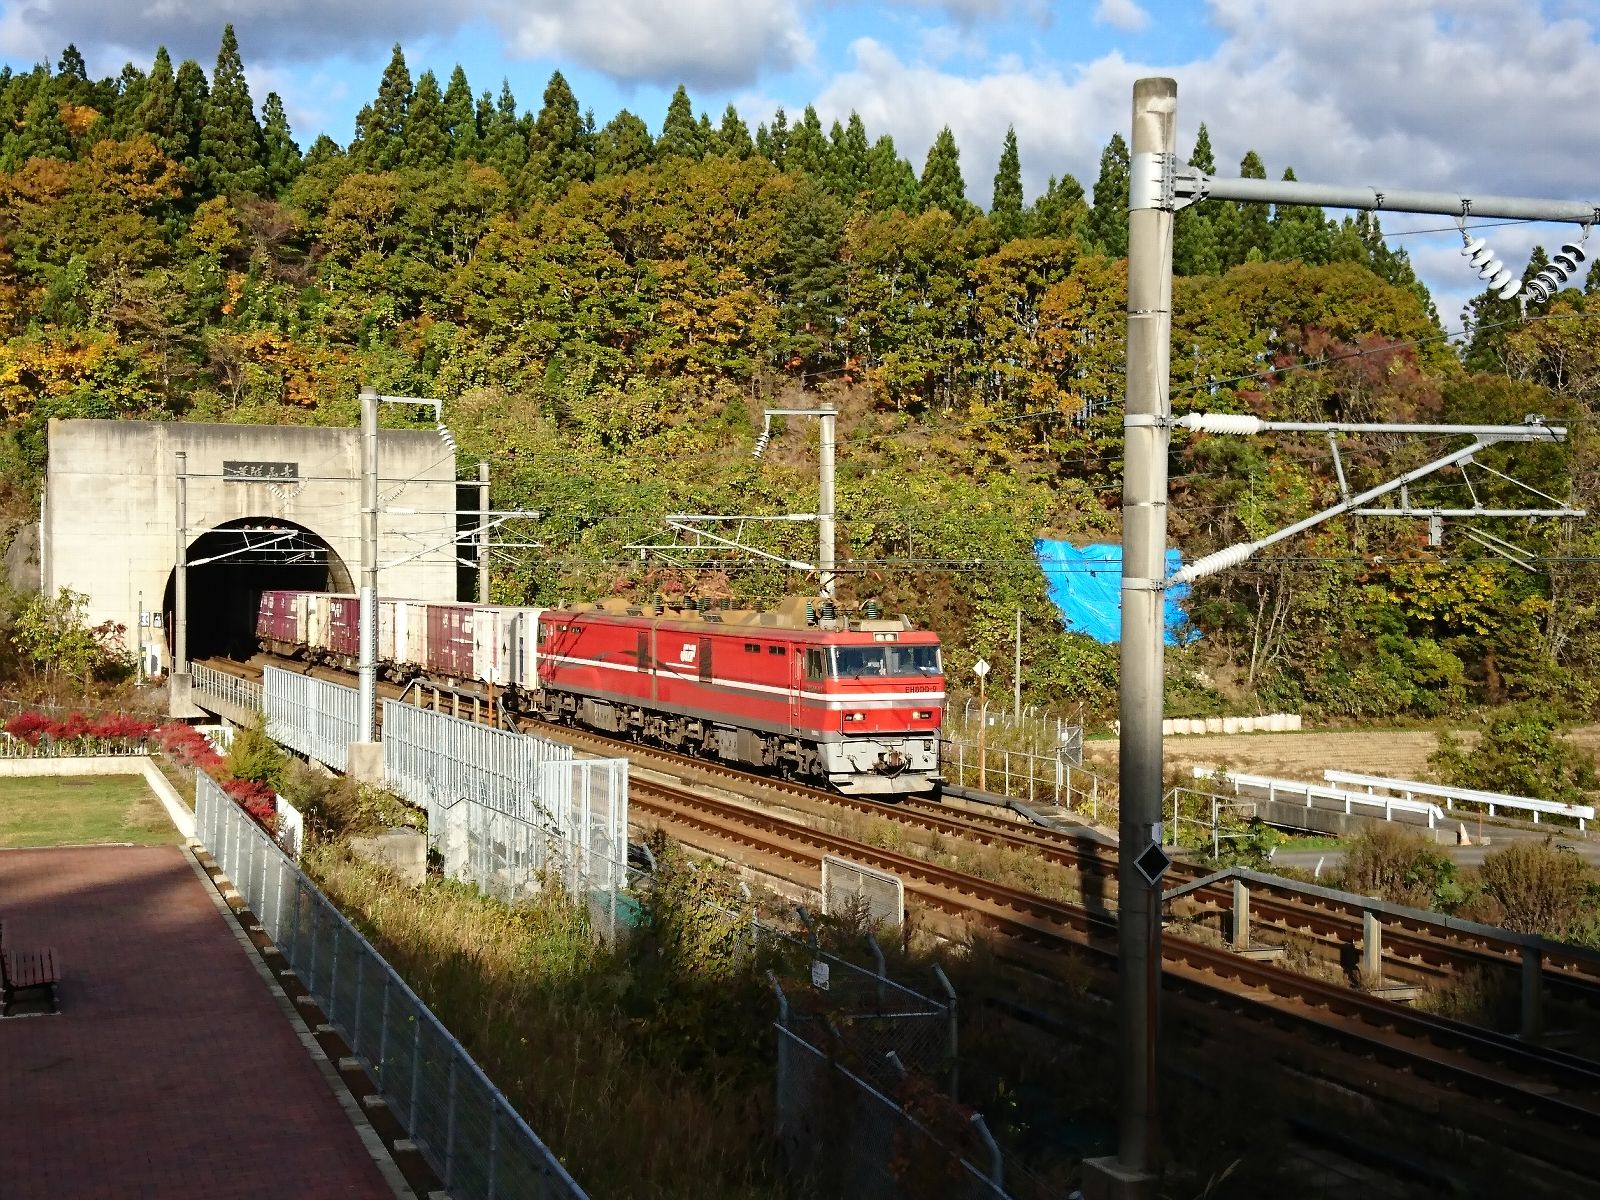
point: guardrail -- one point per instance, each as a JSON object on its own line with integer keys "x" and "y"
{"x": 1411, "y": 788}
{"x": 461, "y": 1123}
{"x": 230, "y": 689}
{"x": 1294, "y": 789}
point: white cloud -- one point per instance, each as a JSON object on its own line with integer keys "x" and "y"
{"x": 1121, "y": 14}
{"x": 706, "y": 43}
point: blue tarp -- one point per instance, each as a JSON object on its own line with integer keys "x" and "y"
{"x": 1085, "y": 582}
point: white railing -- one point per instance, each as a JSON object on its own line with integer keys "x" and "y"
{"x": 1263, "y": 787}
{"x": 313, "y": 716}
{"x": 1411, "y": 788}
{"x": 230, "y": 689}
{"x": 454, "y": 768}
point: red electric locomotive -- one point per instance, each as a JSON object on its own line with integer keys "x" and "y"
{"x": 803, "y": 690}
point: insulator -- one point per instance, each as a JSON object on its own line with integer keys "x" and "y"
{"x": 1212, "y": 563}
{"x": 1501, "y": 278}
{"x": 1482, "y": 256}
{"x": 762, "y": 439}
{"x": 1566, "y": 263}
{"x": 1491, "y": 268}
{"x": 1473, "y": 246}
{"x": 1556, "y": 272}
{"x": 1573, "y": 251}
{"x": 1235, "y": 423}
{"x": 1510, "y": 288}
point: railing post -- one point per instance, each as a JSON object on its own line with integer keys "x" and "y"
{"x": 416, "y": 1077}
{"x": 1241, "y": 915}
{"x": 494, "y": 1146}
{"x": 1532, "y": 993}
{"x": 383, "y": 1036}
{"x": 1371, "y": 949}
{"x": 450, "y": 1128}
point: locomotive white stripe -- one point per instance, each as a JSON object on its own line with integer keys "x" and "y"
{"x": 688, "y": 674}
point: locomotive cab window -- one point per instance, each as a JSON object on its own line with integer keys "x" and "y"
{"x": 855, "y": 662}
{"x": 816, "y": 664}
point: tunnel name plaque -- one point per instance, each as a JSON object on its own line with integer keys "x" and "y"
{"x": 238, "y": 471}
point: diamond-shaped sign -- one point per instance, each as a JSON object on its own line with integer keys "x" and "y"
{"x": 980, "y": 668}
{"x": 1153, "y": 863}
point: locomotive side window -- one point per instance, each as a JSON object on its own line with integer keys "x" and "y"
{"x": 752, "y": 647}
{"x": 816, "y": 667}
{"x": 777, "y": 649}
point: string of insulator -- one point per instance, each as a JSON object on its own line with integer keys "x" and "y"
{"x": 1563, "y": 262}
{"x": 1500, "y": 278}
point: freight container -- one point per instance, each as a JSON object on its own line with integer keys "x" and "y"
{"x": 449, "y": 651}
{"x": 344, "y": 627}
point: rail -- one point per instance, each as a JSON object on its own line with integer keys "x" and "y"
{"x": 461, "y": 1123}
{"x": 1411, "y": 788}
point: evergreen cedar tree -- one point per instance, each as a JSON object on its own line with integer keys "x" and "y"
{"x": 627, "y": 299}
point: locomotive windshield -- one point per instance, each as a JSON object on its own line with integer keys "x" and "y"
{"x": 897, "y": 661}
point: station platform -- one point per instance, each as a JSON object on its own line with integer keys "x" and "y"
{"x": 172, "y": 1070}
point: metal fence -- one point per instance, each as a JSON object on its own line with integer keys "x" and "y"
{"x": 463, "y": 1126}
{"x": 315, "y": 717}
{"x": 844, "y": 1137}
{"x": 1035, "y": 778}
{"x": 85, "y": 746}
{"x": 506, "y": 809}
{"x": 230, "y": 689}
{"x": 866, "y": 1084}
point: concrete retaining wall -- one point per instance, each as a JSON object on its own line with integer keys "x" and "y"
{"x": 1288, "y": 815}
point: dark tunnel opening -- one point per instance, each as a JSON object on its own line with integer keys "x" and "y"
{"x": 231, "y": 565}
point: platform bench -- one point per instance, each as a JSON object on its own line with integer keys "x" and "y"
{"x": 24, "y": 974}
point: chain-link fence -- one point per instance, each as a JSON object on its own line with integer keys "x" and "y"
{"x": 229, "y": 689}
{"x": 463, "y": 1126}
{"x": 315, "y": 717}
{"x": 844, "y": 1137}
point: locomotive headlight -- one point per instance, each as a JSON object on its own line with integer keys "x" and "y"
{"x": 855, "y": 716}
{"x": 922, "y": 714}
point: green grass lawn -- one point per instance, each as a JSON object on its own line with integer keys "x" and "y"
{"x": 73, "y": 811}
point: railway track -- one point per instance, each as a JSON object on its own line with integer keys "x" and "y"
{"x": 1547, "y": 1095}
{"x": 1551, "y": 1095}
{"x": 1414, "y": 951}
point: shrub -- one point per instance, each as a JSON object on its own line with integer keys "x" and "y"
{"x": 1520, "y": 753}
{"x": 1536, "y": 887}
{"x": 1400, "y": 866}
{"x": 255, "y": 756}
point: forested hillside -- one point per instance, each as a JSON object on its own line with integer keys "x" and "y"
{"x": 606, "y": 309}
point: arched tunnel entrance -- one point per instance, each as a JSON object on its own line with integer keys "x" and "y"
{"x": 231, "y": 565}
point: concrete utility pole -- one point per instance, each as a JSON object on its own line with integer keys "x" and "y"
{"x": 180, "y": 573}
{"x": 1158, "y": 187}
{"x": 1144, "y": 548}
{"x": 483, "y": 531}
{"x": 1016, "y": 678}
{"x": 825, "y": 530}
{"x": 828, "y": 420}
{"x": 367, "y": 696}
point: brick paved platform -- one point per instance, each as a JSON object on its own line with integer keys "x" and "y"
{"x": 172, "y": 1073}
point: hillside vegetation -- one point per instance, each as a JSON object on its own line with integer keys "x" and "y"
{"x": 606, "y": 310}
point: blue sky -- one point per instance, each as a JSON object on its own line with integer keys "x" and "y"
{"x": 1485, "y": 95}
